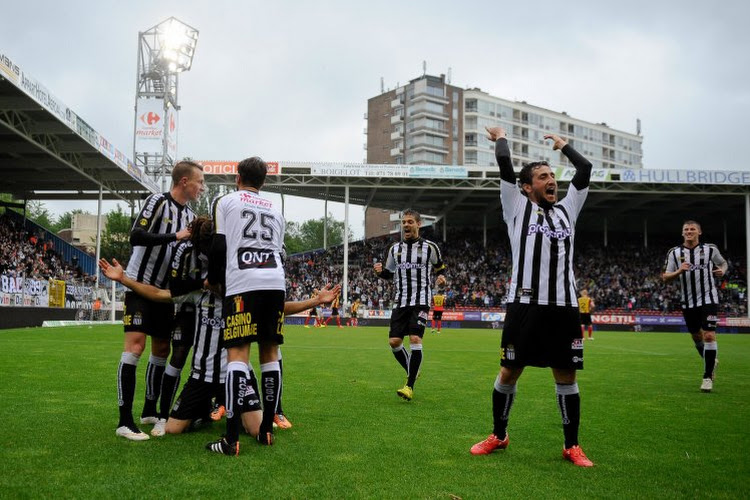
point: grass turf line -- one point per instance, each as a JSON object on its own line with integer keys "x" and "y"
{"x": 645, "y": 423}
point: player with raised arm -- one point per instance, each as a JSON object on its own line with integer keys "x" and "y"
{"x": 698, "y": 266}
{"x": 246, "y": 260}
{"x": 161, "y": 223}
{"x": 209, "y": 361}
{"x": 410, "y": 263}
{"x": 542, "y": 323}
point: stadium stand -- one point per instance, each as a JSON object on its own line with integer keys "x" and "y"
{"x": 622, "y": 277}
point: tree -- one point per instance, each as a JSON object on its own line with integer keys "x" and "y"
{"x": 203, "y": 205}
{"x": 37, "y": 212}
{"x": 116, "y": 236}
{"x": 309, "y": 234}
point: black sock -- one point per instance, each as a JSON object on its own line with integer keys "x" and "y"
{"x": 154, "y": 374}
{"x": 126, "y": 387}
{"x": 709, "y": 359}
{"x": 415, "y": 362}
{"x": 281, "y": 384}
{"x": 700, "y": 346}
{"x": 569, "y": 401}
{"x": 270, "y": 379}
{"x": 237, "y": 376}
{"x": 169, "y": 383}
{"x": 402, "y": 357}
{"x": 502, "y": 401}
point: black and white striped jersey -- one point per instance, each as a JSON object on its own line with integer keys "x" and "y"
{"x": 412, "y": 263}
{"x": 542, "y": 243}
{"x": 160, "y": 215}
{"x": 697, "y": 285}
{"x": 254, "y": 233}
{"x": 209, "y": 358}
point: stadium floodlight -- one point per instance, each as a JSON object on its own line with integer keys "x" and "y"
{"x": 164, "y": 51}
{"x": 177, "y": 43}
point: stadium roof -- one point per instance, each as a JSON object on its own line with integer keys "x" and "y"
{"x": 464, "y": 195}
{"x": 47, "y": 151}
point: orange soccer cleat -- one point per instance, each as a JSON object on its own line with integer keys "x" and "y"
{"x": 218, "y": 412}
{"x": 576, "y": 455}
{"x": 280, "y": 421}
{"x": 490, "y": 444}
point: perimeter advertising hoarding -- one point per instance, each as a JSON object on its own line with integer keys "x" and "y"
{"x": 213, "y": 167}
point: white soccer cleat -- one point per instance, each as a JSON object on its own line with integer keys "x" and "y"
{"x": 160, "y": 428}
{"x": 149, "y": 420}
{"x": 133, "y": 434}
{"x": 707, "y": 385}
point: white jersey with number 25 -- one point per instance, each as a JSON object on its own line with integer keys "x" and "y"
{"x": 254, "y": 232}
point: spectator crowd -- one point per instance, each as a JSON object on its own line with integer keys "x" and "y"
{"x": 27, "y": 255}
{"x": 621, "y": 277}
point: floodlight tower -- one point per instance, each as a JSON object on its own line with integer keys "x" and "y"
{"x": 164, "y": 51}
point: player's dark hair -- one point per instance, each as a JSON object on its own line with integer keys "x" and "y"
{"x": 185, "y": 168}
{"x": 527, "y": 171}
{"x": 252, "y": 172}
{"x": 695, "y": 223}
{"x": 413, "y": 213}
{"x": 202, "y": 229}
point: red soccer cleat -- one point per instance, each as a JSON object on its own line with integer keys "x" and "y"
{"x": 489, "y": 445}
{"x": 576, "y": 455}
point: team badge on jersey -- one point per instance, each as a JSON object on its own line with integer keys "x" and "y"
{"x": 144, "y": 222}
{"x": 509, "y": 353}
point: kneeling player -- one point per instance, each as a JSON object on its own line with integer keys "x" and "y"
{"x": 194, "y": 405}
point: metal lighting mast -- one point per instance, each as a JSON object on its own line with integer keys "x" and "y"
{"x": 164, "y": 51}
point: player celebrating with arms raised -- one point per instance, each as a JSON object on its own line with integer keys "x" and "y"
{"x": 696, "y": 264}
{"x": 542, "y": 323}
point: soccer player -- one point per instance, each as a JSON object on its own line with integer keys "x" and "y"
{"x": 335, "y": 312}
{"x": 698, "y": 265}
{"x": 542, "y": 323}
{"x": 438, "y": 301}
{"x": 585, "y": 306}
{"x": 410, "y": 263}
{"x": 209, "y": 360}
{"x": 313, "y": 314}
{"x": 162, "y": 222}
{"x": 246, "y": 261}
{"x": 353, "y": 313}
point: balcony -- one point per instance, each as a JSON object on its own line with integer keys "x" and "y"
{"x": 419, "y": 96}
{"x": 396, "y": 103}
{"x": 434, "y": 131}
{"x": 396, "y": 119}
{"x": 423, "y": 112}
{"x": 396, "y": 135}
{"x": 425, "y": 146}
{"x": 396, "y": 151}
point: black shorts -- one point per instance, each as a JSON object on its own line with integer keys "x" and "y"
{"x": 313, "y": 311}
{"x": 700, "y": 318}
{"x": 586, "y": 319}
{"x": 353, "y": 314}
{"x": 195, "y": 400}
{"x": 183, "y": 333}
{"x": 334, "y": 311}
{"x": 256, "y": 316}
{"x": 437, "y": 315}
{"x": 143, "y": 315}
{"x": 410, "y": 320}
{"x": 544, "y": 336}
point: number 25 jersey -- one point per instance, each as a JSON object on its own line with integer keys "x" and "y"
{"x": 254, "y": 233}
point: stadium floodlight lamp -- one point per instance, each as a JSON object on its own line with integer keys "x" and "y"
{"x": 177, "y": 43}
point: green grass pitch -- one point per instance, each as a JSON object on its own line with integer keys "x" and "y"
{"x": 646, "y": 425}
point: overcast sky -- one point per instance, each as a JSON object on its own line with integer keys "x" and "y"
{"x": 290, "y": 80}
